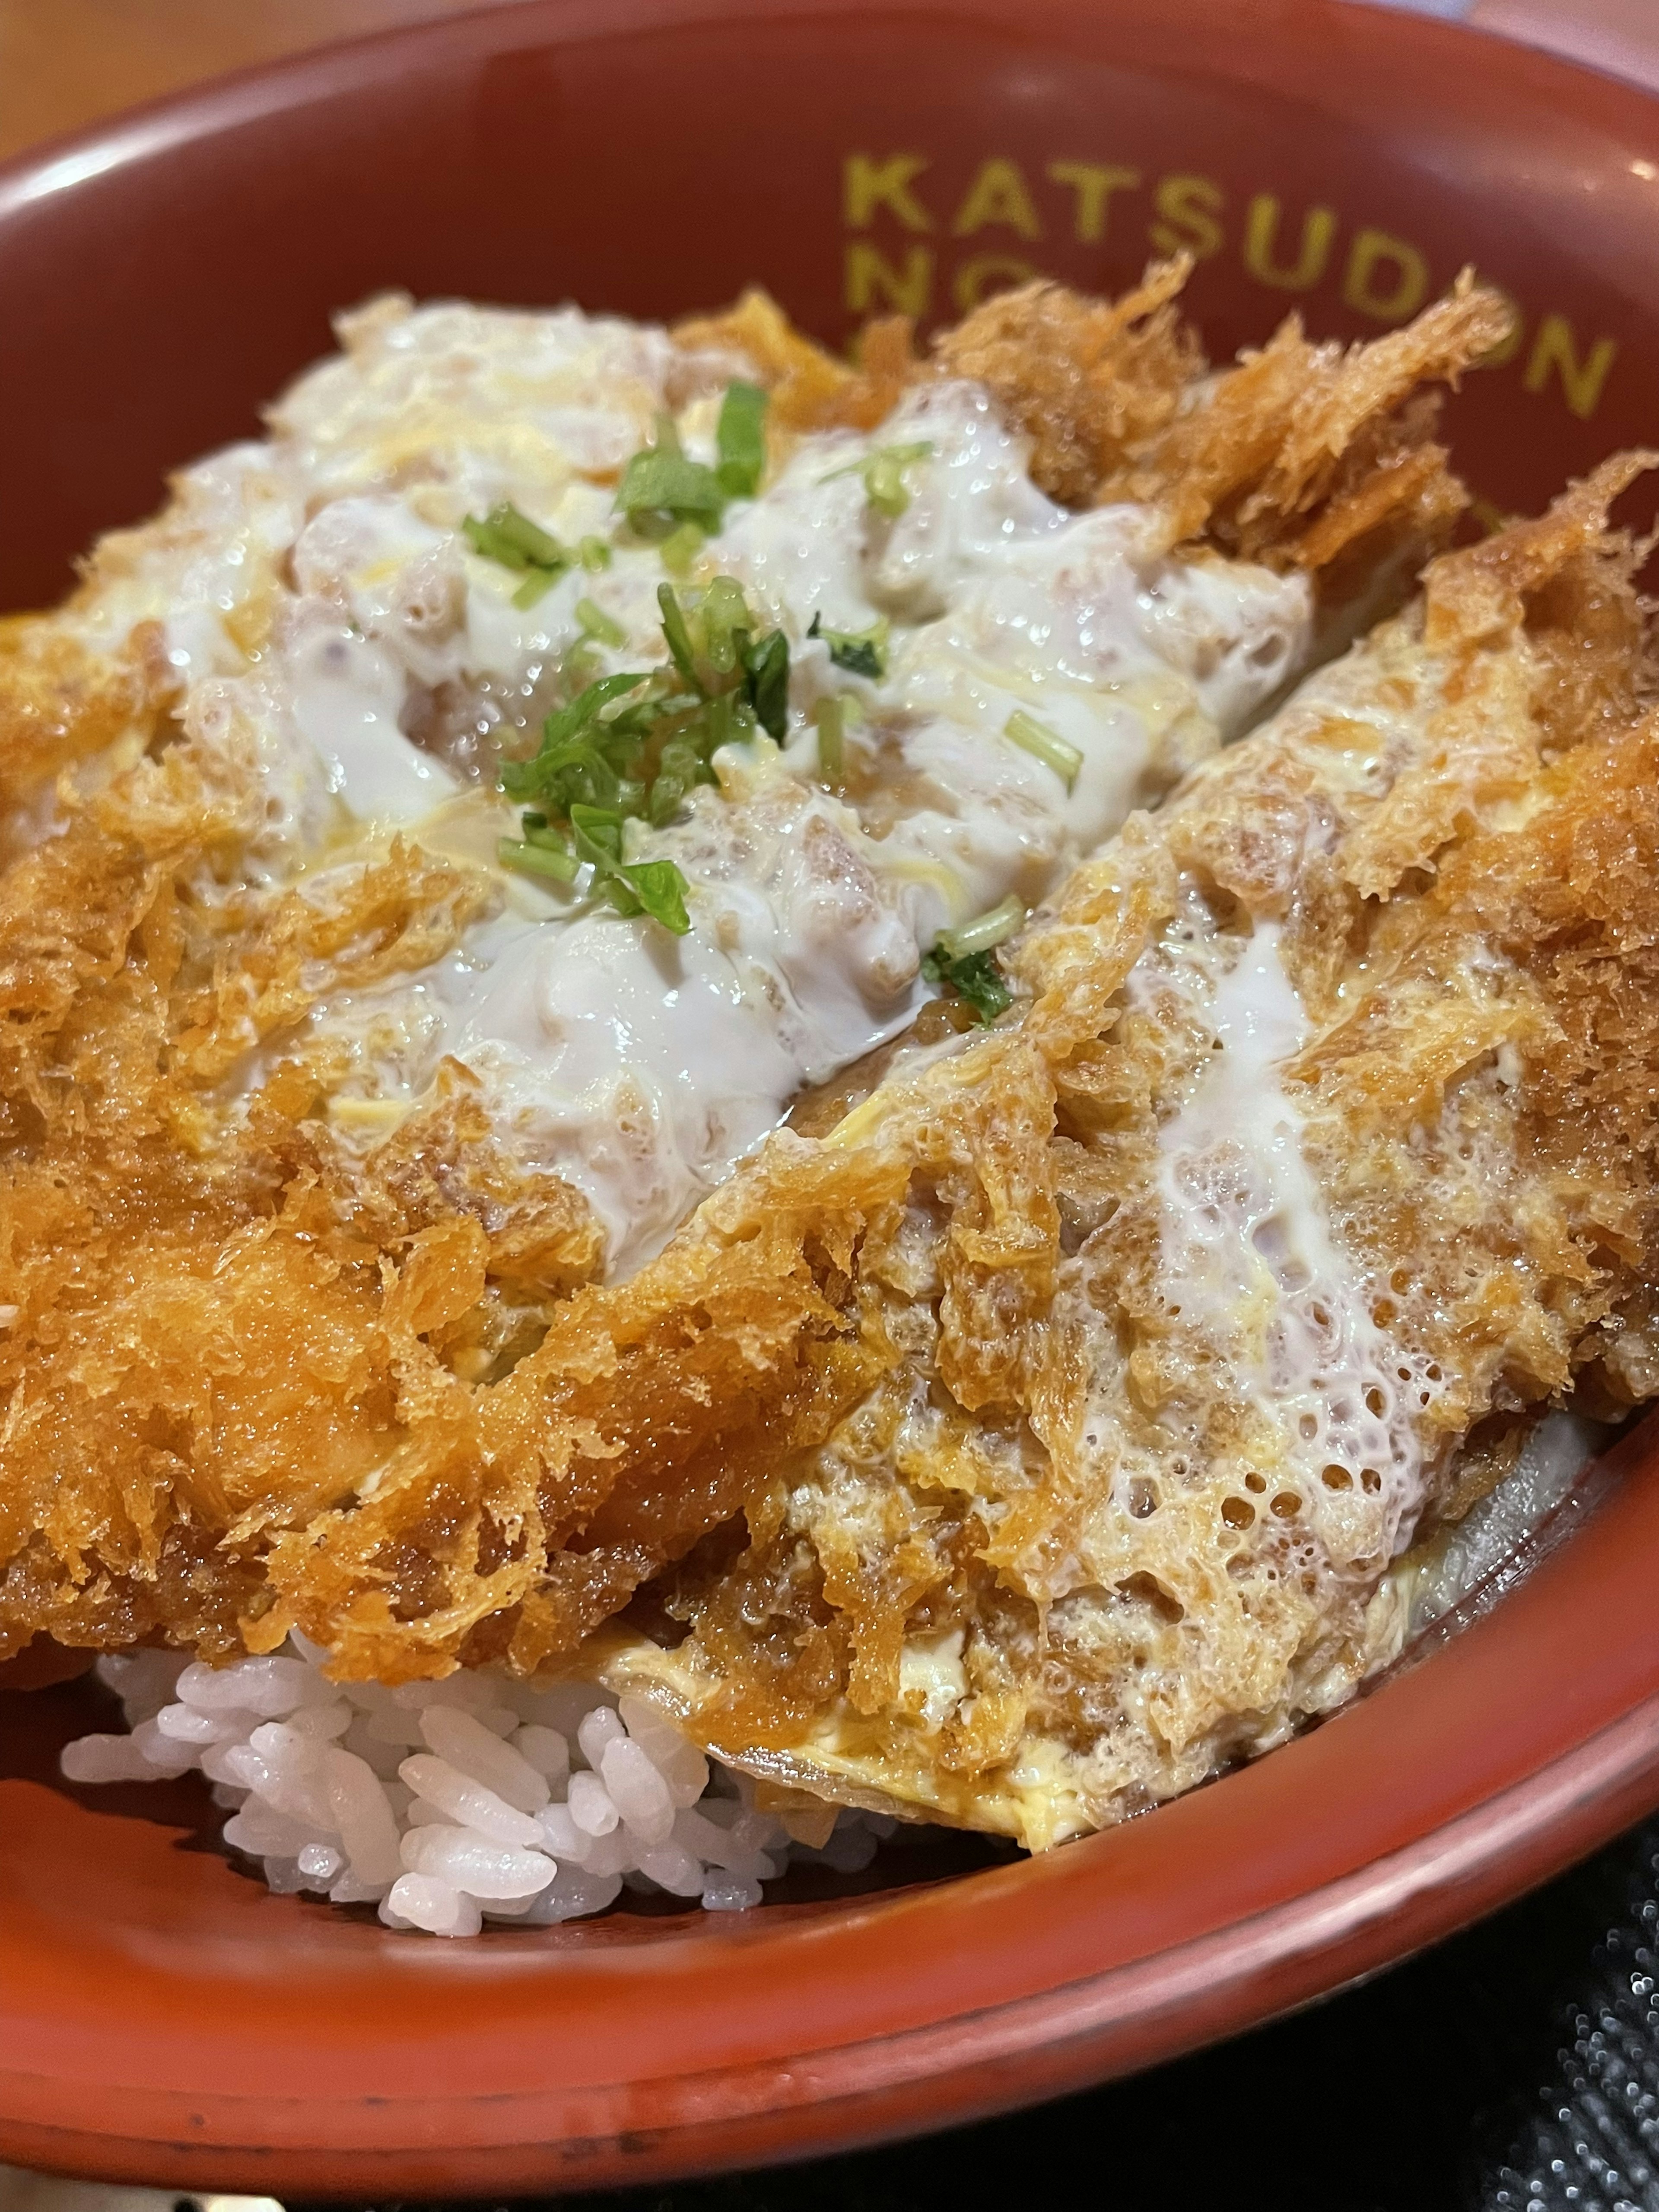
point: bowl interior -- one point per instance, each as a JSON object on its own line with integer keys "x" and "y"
{"x": 651, "y": 156}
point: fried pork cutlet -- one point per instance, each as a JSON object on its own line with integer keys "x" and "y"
{"x": 1324, "y": 1136}
{"x": 260, "y": 1373}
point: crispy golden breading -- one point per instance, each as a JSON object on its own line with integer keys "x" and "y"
{"x": 180, "y": 1287}
{"x": 810, "y": 389}
{"x": 1302, "y": 449}
{"x": 61, "y": 702}
{"x": 1091, "y": 382}
{"x": 1297, "y": 454}
{"x": 262, "y": 1375}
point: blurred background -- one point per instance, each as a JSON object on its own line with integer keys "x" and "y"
{"x": 65, "y": 63}
{"x": 1513, "y": 2070}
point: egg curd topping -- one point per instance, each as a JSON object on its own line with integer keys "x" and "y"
{"x": 760, "y": 739}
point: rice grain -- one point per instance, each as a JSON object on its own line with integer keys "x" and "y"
{"x": 447, "y": 1804}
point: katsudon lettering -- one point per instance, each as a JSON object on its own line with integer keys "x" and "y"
{"x": 1282, "y": 243}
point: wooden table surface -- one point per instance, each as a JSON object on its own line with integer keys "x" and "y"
{"x": 64, "y": 62}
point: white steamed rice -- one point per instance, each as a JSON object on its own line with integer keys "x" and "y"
{"x": 450, "y": 1803}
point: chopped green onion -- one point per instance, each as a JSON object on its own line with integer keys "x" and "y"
{"x": 594, "y": 554}
{"x": 679, "y": 637}
{"x": 832, "y": 754}
{"x": 681, "y": 547}
{"x": 597, "y": 832}
{"x": 1043, "y": 743}
{"x": 728, "y": 719}
{"x": 741, "y": 441}
{"x": 571, "y": 762}
{"x": 577, "y": 770}
{"x": 766, "y": 665}
{"x": 635, "y": 745}
{"x": 975, "y": 976}
{"x": 537, "y": 860}
{"x": 726, "y": 621}
{"x": 536, "y": 584}
{"x": 884, "y": 478}
{"x": 659, "y": 889}
{"x": 983, "y": 932}
{"x": 582, "y": 710}
{"x": 536, "y": 544}
{"x": 860, "y": 652}
{"x": 660, "y": 486}
{"x": 598, "y": 625}
{"x": 883, "y": 471}
{"x": 513, "y": 539}
{"x": 652, "y": 887}
{"x": 680, "y": 768}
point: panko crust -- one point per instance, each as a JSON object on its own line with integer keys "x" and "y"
{"x": 63, "y": 701}
{"x": 1092, "y": 383}
{"x": 1308, "y": 456}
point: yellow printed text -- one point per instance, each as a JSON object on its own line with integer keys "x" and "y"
{"x": 1556, "y": 347}
{"x": 1093, "y": 186}
{"x": 1260, "y": 237}
{"x": 999, "y": 197}
{"x": 867, "y": 185}
{"x": 874, "y": 287}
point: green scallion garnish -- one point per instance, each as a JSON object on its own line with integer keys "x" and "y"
{"x": 661, "y": 490}
{"x": 860, "y": 652}
{"x": 726, "y": 621}
{"x": 511, "y": 540}
{"x": 511, "y": 537}
{"x": 740, "y": 439}
{"x": 766, "y": 672}
{"x": 680, "y": 548}
{"x": 983, "y": 932}
{"x": 883, "y": 471}
{"x": 535, "y": 860}
{"x": 832, "y": 742}
{"x": 598, "y": 625}
{"x": 973, "y": 976}
{"x": 657, "y": 888}
{"x": 634, "y": 746}
{"x": 1043, "y": 743}
{"x": 677, "y": 634}
{"x": 538, "y": 583}
{"x": 652, "y": 887}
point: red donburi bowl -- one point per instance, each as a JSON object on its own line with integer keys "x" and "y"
{"x": 162, "y": 2017}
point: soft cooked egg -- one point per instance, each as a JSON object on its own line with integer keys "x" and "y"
{"x": 639, "y": 1065}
